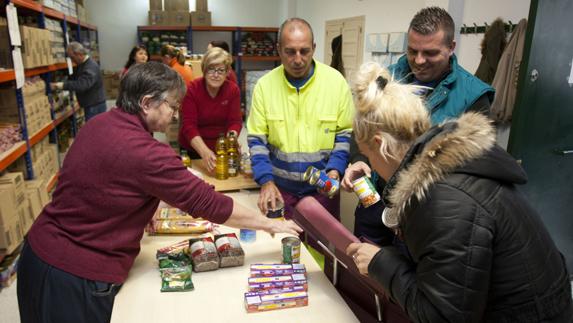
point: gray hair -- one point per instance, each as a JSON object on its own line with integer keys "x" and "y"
{"x": 152, "y": 78}
{"x": 295, "y": 21}
{"x": 430, "y": 20}
{"x": 77, "y": 48}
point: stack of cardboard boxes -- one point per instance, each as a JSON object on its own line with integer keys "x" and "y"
{"x": 36, "y": 47}
{"x": 67, "y": 7}
{"x": 176, "y": 13}
{"x": 45, "y": 162}
{"x": 201, "y": 16}
{"x": 36, "y": 105}
{"x": 20, "y": 204}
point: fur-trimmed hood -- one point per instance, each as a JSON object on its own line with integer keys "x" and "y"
{"x": 466, "y": 145}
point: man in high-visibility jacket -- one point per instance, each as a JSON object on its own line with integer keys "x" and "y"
{"x": 301, "y": 115}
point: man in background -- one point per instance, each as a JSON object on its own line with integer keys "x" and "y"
{"x": 86, "y": 81}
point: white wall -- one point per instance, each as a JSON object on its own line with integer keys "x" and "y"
{"x": 117, "y": 21}
{"x": 381, "y": 16}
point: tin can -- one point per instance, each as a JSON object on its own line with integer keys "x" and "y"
{"x": 291, "y": 250}
{"x": 366, "y": 191}
{"x": 278, "y": 212}
{"x": 318, "y": 178}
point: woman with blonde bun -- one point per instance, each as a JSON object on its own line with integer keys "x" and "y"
{"x": 476, "y": 250}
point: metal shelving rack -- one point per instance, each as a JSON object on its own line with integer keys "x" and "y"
{"x": 23, "y": 148}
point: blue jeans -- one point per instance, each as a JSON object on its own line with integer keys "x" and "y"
{"x": 94, "y": 110}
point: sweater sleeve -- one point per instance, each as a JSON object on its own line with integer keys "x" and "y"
{"x": 85, "y": 80}
{"x": 165, "y": 177}
{"x": 234, "y": 118}
{"x": 189, "y": 116}
{"x": 452, "y": 257}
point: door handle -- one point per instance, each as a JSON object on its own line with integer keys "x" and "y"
{"x": 564, "y": 152}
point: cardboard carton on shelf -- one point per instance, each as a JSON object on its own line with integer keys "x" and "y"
{"x": 201, "y": 18}
{"x": 10, "y": 236}
{"x": 157, "y": 18}
{"x": 178, "y": 18}
{"x": 7, "y": 205}
{"x": 176, "y": 5}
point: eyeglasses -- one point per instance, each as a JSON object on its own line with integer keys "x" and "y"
{"x": 174, "y": 107}
{"x": 217, "y": 71}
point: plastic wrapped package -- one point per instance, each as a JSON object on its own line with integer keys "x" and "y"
{"x": 179, "y": 226}
{"x": 203, "y": 254}
{"x": 177, "y": 251}
{"x": 229, "y": 248}
{"x": 176, "y": 279}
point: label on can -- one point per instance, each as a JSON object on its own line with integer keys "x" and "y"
{"x": 318, "y": 178}
{"x": 308, "y": 173}
{"x": 366, "y": 191}
{"x": 291, "y": 250}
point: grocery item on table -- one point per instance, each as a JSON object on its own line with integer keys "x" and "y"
{"x": 269, "y": 270}
{"x": 277, "y": 282}
{"x": 177, "y": 251}
{"x": 229, "y": 248}
{"x": 181, "y": 226}
{"x": 291, "y": 250}
{"x": 248, "y": 235}
{"x": 203, "y": 254}
{"x": 176, "y": 279}
{"x": 270, "y": 300}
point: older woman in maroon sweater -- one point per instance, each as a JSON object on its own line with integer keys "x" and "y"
{"x": 83, "y": 244}
{"x": 212, "y": 106}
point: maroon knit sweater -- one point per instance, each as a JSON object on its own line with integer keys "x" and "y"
{"x": 111, "y": 182}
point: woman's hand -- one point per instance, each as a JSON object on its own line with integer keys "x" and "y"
{"x": 352, "y": 173}
{"x": 286, "y": 226}
{"x": 209, "y": 160}
{"x": 362, "y": 253}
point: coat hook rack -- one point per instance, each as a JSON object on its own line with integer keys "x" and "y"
{"x": 475, "y": 29}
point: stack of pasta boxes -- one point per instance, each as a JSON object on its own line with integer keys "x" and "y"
{"x": 276, "y": 286}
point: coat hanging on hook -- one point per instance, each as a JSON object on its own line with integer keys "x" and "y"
{"x": 492, "y": 47}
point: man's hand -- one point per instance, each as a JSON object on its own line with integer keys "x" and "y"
{"x": 57, "y": 86}
{"x": 352, "y": 173}
{"x": 268, "y": 197}
{"x": 362, "y": 254}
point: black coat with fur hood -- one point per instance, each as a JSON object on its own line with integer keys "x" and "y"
{"x": 478, "y": 251}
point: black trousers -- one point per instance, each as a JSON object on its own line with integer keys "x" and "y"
{"x": 49, "y": 295}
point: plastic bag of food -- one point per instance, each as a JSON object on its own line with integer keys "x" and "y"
{"x": 229, "y": 248}
{"x": 177, "y": 251}
{"x": 176, "y": 279}
{"x": 203, "y": 254}
{"x": 180, "y": 226}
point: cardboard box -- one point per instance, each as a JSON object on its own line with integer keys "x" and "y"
{"x": 157, "y": 18}
{"x": 155, "y": 5}
{"x": 176, "y": 5}
{"x": 10, "y": 236}
{"x": 201, "y": 5}
{"x": 7, "y": 205}
{"x": 178, "y": 18}
{"x": 201, "y": 18}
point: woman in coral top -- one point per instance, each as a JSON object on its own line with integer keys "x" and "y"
{"x": 174, "y": 58}
{"x": 212, "y": 106}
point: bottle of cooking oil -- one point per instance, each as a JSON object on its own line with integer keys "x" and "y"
{"x": 185, "y": 158}
{"x": 233, "y": 154}
{"x": 222, "y": 164}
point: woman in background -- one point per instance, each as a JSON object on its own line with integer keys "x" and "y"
{"x": 231, "y": 76}
{"x": 477, "y": 251}
{"x": 138, "y": 55}
{"x": 174, "y": 58}
{"x": 212, "y": 106}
